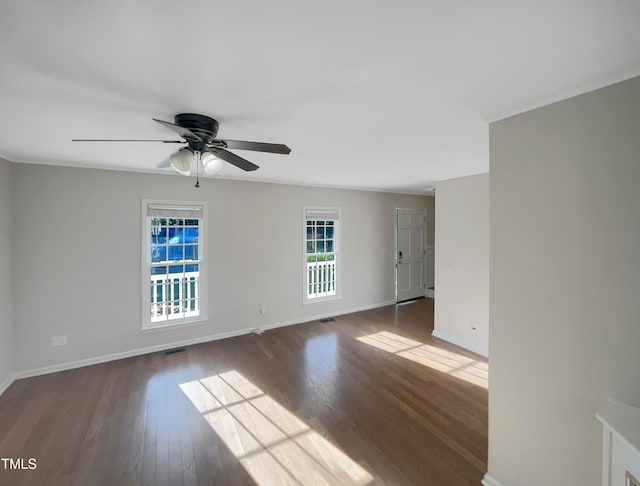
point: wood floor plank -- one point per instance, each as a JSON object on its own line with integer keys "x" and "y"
{"x": 370, "y": 398}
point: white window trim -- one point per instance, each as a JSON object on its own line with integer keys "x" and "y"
{"x": 146, "y": 324}
{"x": 337, "y": 251}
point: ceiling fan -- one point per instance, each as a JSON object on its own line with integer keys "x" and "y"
{"x": 203, "y": 149}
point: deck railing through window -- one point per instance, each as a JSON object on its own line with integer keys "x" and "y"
{"x": 175, "y": 296}
{"x": 321, "y": 279}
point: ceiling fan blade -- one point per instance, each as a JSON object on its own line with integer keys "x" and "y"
{"x": 183, "y": 132}
{"x": 274, "y": 148}
{"x": 123, "y": 140}
{"x": 234, "y": 159}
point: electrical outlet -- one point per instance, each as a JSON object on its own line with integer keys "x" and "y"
{"x": 263, "y": 310}
{"x": 58, "y": 341}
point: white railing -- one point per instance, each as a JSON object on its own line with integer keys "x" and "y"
{"x": 175, "y": 296}
{"x": 321, "y": 279}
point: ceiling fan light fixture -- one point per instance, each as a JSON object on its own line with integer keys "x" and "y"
{"x": 210, "y": 163}
{"x": 181, "y": 161}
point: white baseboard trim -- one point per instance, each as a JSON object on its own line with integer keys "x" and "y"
{"x": 176, "y": 344}
{"x": 458, "y": 342}
{"x": 293, "y": 322}
{"x": 489, "y": 481}
{"x": 7, "y": 383}
{"x": 45, "y": 370}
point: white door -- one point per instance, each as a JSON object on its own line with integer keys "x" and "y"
{"x": 409, "y": 254}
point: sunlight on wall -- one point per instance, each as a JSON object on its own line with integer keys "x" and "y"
{"x": 272, "y": 444}
{"x": 454, "y": 364}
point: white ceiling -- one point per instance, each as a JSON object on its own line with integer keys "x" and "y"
{"x": 368, "y": 94}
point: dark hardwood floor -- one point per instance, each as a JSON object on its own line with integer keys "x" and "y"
{"x": 371, "y": 398}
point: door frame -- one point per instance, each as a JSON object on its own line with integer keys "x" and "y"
{"x": 395, "y": 247}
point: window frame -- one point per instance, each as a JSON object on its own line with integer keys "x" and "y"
{"x": 337, "y": 252}
{"x": 146, "y": 265}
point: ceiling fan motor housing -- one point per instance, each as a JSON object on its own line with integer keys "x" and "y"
{"x": 203, "y": 126}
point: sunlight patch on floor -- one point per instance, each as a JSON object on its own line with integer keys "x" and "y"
{"x": 449, "y": 362}
{"x": 273, "y": 445}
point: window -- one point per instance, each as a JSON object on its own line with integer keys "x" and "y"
{"x": 321, "y": 259}
{"x": 173, "y": 266}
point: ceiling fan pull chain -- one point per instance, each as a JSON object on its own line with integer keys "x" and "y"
{"x": 197, "y": 156}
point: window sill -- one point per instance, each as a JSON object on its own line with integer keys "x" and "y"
{"x": 320, "y": 300}
{"x": 173, "y": 325}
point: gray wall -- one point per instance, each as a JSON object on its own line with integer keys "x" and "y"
{"x": 462, "y": 262}
{"x": 6, "y": 299}
{"x": 430, "y": 245}
{"x": 77, "y": 257}
{"x": 565, "y": 283}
